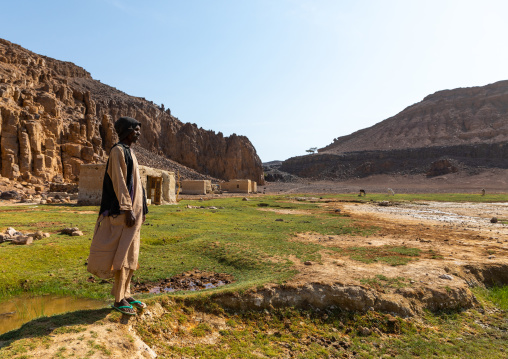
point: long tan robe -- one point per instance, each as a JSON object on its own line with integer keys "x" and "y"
{"x": 116, "y": 246}
{"x": 122, "y": 285}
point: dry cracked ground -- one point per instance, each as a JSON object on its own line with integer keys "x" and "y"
{"x": 457, "y": 245}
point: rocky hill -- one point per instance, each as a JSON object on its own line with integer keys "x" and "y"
{"x": 465, "y": 129}
{"x": 54, "y": 116}
{"x": 464, "y": 116}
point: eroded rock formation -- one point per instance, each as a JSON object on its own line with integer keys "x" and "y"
{"x": 54, "y": 116}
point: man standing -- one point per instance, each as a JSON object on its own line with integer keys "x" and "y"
{"x": 115, "y": 246}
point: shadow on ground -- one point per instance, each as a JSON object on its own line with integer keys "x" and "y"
{"x": 46, "y": 325}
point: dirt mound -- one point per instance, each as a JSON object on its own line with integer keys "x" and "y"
{"x": 192, "y": 280}
{"x": 405, "y": 302}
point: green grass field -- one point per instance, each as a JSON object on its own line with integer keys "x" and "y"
{"x": 244, "y": 238}
{"x": 236, "y": 238}
{"x": 250, "y": 241}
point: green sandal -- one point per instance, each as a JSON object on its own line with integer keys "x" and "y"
{"x": 137, "y": 304}
{"x": 120, "y": 309}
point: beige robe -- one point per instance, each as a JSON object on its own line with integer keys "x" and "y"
{"x": 116, "y": 246}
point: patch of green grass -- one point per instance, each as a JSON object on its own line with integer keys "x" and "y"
{"x": 467, "y": 334}
{"x": 201, "y": 330}
{"x": 70, "y": 329}
{"x": 182, "y": 319}
{"x": 329, "y": 334}
{"x": 434, "y": 255}
{"x": 60, "y": 352}
{"x": 99, "y": 347}
{"x": 51, "y": 265}
{"x": 497, "y": 295}
{"x": 381, "y": 282}
{"x": 391, "y": 255}
{"x": 237, "y": 238}
{"x": 19, "y": 349}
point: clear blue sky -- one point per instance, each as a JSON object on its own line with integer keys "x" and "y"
{"x": 288, "y": 74}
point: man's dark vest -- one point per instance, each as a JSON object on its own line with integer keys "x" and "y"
{"x": 109, "y": 201}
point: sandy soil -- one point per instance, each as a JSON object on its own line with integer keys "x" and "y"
{"x": 459, "y": 232}
{"x": 459, "y": 246}
{"x": 493, "y": 181}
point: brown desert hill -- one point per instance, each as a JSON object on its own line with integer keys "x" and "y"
{"x": 461, "y": 130}
{"x": 464, "y": 116}
{"x": 54, "y": 117}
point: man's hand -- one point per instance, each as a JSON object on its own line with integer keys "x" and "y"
{"x": 130, "y": 219}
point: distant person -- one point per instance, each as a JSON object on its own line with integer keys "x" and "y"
{"x": 114, "y": 250}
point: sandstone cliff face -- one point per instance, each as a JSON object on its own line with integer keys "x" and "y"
{"x": 54, "y": 117}
{"x": 446, "y": 118}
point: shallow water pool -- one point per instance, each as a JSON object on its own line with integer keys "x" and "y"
{"x": 16, "y": 311}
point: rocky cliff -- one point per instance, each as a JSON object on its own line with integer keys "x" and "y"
{"x": 464, "y": 130}
{"x": 54, "y": 116}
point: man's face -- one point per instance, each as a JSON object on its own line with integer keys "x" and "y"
{"x": 134, "y": 135}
